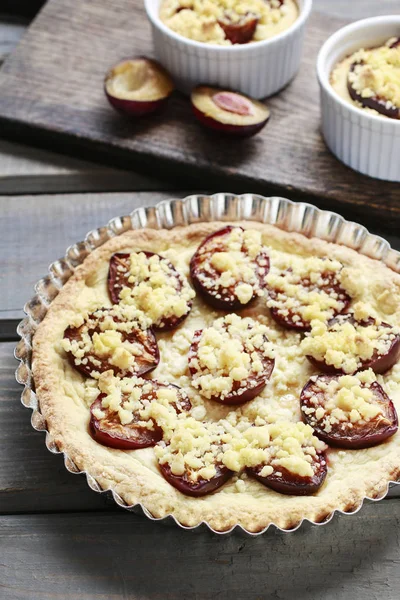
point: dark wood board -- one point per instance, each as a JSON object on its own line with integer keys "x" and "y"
{"x": 120, "y": 556}
{"x": 51, "y": 94}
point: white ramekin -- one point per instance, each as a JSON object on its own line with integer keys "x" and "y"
{"x": 363, "y": 141}
{"x": 259, "y": 69}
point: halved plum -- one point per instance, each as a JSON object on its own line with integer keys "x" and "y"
{"x": 385, "y": 355}
{"x": 120, "y": 277}
{"x": 238, "y": 389}
{"x": 360, "y": 76}
{"x": 138, "y": 86}
{"x": 286, "y": 482}
{"x": 320, "y": 403}
{"x": 201, "y": 487}
{"x": 109, "y": 431}
{"x": 126, "y": 347}
{"x": 241, "y": 30}
{"x": 207, "y": 273}
{"x": 228, "y": 112}
{"x": 289, "y": 310}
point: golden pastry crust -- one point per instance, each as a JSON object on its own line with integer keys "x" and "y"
{"x": 64, "y": 395}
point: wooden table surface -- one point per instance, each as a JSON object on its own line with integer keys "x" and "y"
{"x": 58, "y": 539}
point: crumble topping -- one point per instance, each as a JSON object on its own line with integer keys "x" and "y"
{"x": 228, "y": 353}
{"x": 304, "y": 289}
{"x": 201, "y": 20}
{"x": 197, "y": 449}
{"x": 103, "y": 337}
{"x": 231, "y": 265}
{"x": 194, "y": 448}
{"x": 138, "y": 399}
{"x": 347, "y": 344}
{"x": 347, "y": 399}
{"x": 155, "y": 291}
{"x": 376, "y": 74}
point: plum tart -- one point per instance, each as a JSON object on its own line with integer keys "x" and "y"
{"x": 235, "y": 374}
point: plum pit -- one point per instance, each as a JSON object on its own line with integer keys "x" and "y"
{"x": 228, "y": 112}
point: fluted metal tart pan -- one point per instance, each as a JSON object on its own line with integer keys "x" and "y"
{"x": 290, "y": 216}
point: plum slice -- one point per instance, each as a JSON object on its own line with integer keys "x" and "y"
{"x": 369, "y": 344}
{"x": 241, "y": 30}
{"x": 138, "y": 86}
{"x": 107, "y": 429}
{"x": 156, "y": 288}
{"x": 361, "y": 75}
{"x": 285, "y": 482}
{"x": 201, "y": 487}
{"x": 190, "y": 456}
{"x": 231, "y": 361}
{"x": 294, "y": 460}
{"x": 213, "y": 265}
{"x": 327, "y": 407}
{"x": 109, "y": 339}
{"x": 228, "y": 112}
{"x": 293, "y": 298}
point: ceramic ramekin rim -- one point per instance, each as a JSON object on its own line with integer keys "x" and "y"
{"x": 305, "y": 11}
{"x": 333, "y": 42}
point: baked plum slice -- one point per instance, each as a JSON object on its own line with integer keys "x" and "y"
{"x": 239, "y": 31}
{"x": 213, "y": 261}
{"x": 148, "y": 291}
{"x": 201, "y": 487}
{"x": 293, "y": 460}
{"x": 138, "y": 87}
{"x": 107, "y": 429}
{"x": 126, "y": 347}
{"x": 286, "y": 482}
{"x": 290, "y": 308}
{"x": 361, "y": 72}
{"x": 228, "y": 112}
{"x": 372, "y": 420}
{"x": 224, "y": 363}
{"x": 385, "y": 354}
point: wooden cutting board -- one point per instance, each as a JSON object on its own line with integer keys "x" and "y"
{"x": 51, "y": 94}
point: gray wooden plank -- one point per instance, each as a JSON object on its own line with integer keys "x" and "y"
{"x": 25, "y": 170}
{"x": 47, "y": 225}
{"x": 31, "y": 478}
{"x": 12, "y": 29}
{"x": 122, "y": 556}
{"x": 36, "y": 230}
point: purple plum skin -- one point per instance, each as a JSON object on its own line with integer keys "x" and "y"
{"x": 229, "y": 129}
{"x": 136, "y": 108}
{"x": 200, "y": 488}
